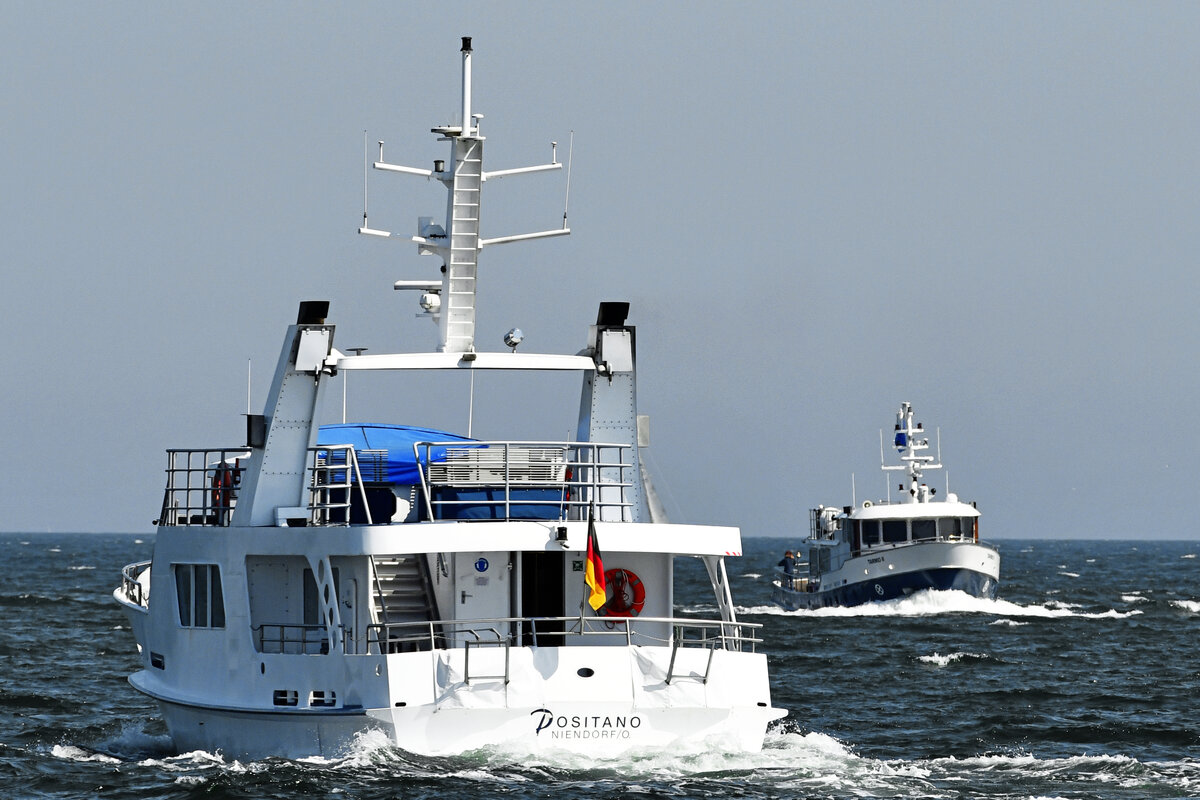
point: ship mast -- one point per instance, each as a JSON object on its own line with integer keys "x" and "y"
{"x": 451, "y": 301}
{"x": 909, "y": 445}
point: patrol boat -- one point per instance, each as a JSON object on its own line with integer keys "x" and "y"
{"x": 323, "y": 582}
{"x": 885, "y": 550}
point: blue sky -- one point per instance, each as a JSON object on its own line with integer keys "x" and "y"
{"x": 817, "y": 210}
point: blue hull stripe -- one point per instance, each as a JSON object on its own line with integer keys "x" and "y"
{"x": 890, "y": 587}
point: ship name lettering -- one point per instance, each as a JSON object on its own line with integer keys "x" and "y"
{"x": 582, "y": 726}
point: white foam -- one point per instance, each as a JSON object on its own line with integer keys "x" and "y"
{"x": 931, "y": 602}
{"x": 69, "y": 752}
{"x": 1188, "y": 555}
{"x": 1069, "y": 574}
{"x": 752, "y": 575}
{"x": 948, "y": 659}
{"x": 1191, "y": 606}
{"x": 1134, "y": 598}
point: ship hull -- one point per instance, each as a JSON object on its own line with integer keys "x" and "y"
{"x": 530, "y": 713}
{"x": 890, "y": 574}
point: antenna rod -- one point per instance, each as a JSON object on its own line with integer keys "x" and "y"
{"x": 567, "y": 196}
{"x": 248, "y": 386}
{"x": 466, "y": 86}
{"x": 366, "y": 158}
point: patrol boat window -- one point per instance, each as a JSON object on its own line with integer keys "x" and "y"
{"x": 895, "y": 531}
{"x": 924, "y": 530}
{"x": 868, "y": 531}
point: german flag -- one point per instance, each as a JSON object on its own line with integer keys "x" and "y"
{"x": 594, "y": 576}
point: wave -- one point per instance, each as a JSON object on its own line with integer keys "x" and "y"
{"x": 792, "y": 762}
{"x": 1086, "y": 773}
{"x": 946, "y": 660}
{"x": 931, "y": 602}
{"x": 1191, "y": 606}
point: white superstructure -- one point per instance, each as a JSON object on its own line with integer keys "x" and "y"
{"x": 883, "y": 550}
{"x": 323, "y": 581}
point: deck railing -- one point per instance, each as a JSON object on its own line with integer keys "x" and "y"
{"x": 202, "y": 486}
{"x": 523, "y": 480}
{"x": 675, "y": 632}
{"x": 484, "y": 480}
{"x": 335, "y": 478}
{"x": 131, "y": 585}
{"x": 291, "y": 638}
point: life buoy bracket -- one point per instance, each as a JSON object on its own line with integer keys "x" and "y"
{"x": 626, "y": 594}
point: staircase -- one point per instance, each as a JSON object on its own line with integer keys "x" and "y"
{"x": 403, "y": 593}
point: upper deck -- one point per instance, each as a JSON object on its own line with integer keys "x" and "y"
{"x": 434, "y": 480}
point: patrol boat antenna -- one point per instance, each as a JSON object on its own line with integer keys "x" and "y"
{"x": 451, "y": 301}
{"x": 909, "y": 443}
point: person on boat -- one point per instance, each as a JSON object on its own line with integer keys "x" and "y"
{"x": 788, "y": 562}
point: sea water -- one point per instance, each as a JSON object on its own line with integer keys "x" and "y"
{"x": 1080, "y": 681}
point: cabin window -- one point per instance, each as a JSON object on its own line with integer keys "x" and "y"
{"x": 924, "y": 529}
{"x": 895, "y": 531}
{"x": 198, "y": 591}
{"x": 870, "y": 532}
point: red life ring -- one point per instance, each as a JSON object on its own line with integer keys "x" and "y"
{"x": 626, "y": 594}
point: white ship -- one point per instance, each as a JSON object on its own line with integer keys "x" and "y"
{"x": 885, "y": 550}
{"x": 320, "y": 582}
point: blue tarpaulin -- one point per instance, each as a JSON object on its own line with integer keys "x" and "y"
{"x": 397, "y": 440}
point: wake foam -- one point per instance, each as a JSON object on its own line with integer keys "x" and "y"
{"x": 930, "y": 602}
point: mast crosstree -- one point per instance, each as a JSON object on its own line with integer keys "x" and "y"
{"x": 451, "y": 302}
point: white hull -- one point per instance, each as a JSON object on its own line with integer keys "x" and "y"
{"x": 629, "y": 706}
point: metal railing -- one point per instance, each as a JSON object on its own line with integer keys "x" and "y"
{"x": 334, "y": 477}
{"x": 291, "y": 638}
{"x": 513, "y": 631}
{"x": 522, "y": 480}
{"x": 202, "y": 486}
{"x": 131, "y": 587}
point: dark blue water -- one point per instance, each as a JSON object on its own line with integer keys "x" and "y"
{"x": 1080, "y": 681}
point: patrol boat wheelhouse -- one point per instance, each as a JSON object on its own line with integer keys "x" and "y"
{"x": 885, "y": 550}
{"x": 320, "y": 582}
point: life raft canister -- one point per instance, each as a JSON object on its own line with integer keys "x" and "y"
{"x": 626, "y": 596}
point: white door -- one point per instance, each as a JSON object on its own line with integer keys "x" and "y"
{"x": 482, "y": 583}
